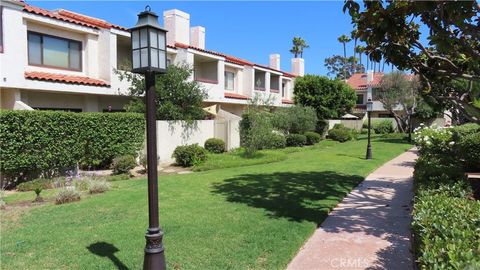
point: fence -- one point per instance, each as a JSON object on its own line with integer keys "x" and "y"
{"x": 171, "y": 134}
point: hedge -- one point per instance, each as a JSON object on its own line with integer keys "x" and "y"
{"x": 46, "y": 143}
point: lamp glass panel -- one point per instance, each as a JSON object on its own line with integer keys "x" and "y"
{"x": 144, "y": 57}
{"x": 161, "y": 40}
{"x": 143, "y": 38}
{"x": 153, "y": 38}
{"x": 135, "y": 39}
{"x": 136, "y": 58}
{"x": 154, "y": 58}
{"x": 162, "y": 59}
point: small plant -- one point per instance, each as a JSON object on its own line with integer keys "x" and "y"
{"x": 98, "y": 186}
{"x": 215, "y": 145}
{"x": 143, "y": 160}
{"x": 123, "y": 164}
{"x": 312, "y": 137}
{"x": 296, "y": 140}
{"x": 276, "y": 141}
{"x": 67, "y": 194}
{"x": 38, "y": 189}
{"x": 44, "y": 183}
{"x": 189, "y": 155}
{"x": 383, "y": 127}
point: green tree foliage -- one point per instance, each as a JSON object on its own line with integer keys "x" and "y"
{"x": 299, "y": 44}
{"x": 391, "y": 29}
{"x": 178, "y": 97}
{"x": 294, "y": 119}
{"x": 329, "y": 98}
{"x": 341, "y": 68}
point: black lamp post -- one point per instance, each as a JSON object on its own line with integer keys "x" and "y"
{"x": 149, "y": 58}
{"x": 369, "y": 115}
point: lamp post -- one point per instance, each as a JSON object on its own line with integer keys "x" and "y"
{"x": 369, "y": 115}
{"x": 149, "y": 58}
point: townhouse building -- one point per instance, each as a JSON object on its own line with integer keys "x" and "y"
{"x": 62, "y": 60}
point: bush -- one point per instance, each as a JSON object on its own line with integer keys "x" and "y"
{"x": 44, "y": 183}
{"x": 67, "y": 195}
{"x": 312, "y": 138}
{"x": 276, "y": 141}
{"x": 340, "y": 134}
{"x": 338, "y": 126}
{"x": 52, "y": 142}
{"x": 98, "y": 186}
{"x": 189, "y": 155}
{"x": 123, "y": 164}
{"x": 296, "y": 140}
{"x": 255, "y": 130}
{"x": 295, "y": 119}
{"x": 469, "y": 146}
{"x": 383, "y": 127}
{"x": 215, "y": 145}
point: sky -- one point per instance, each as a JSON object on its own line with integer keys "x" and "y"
{"x": 251, "y": 30}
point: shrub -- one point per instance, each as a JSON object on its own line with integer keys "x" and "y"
{"x": 469, "y": 146}
{"x": 52, "y": 142}
{"x": 98, "y": 186}
{"x": 255, "y": 130}
{"x": 312, "y": 138}
{"x": 215, "y": 145}
{"x": 294, "y": 119}
{"x": 383, "y": 127}
{"x": 67, "y": 195}
{"x": 189, "y": 155}
{"x": 276, "y": 141}
{"x": 340, "y": 134}
{"x": 43, "y": 183}
{"x": 463, "y": 130}
{"x": 296, "y": 140}
{"x": 338, "y": 126}
{"x": 123, "y": 164}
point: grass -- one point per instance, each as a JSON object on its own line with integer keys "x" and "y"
{"x": 251, "y": 217}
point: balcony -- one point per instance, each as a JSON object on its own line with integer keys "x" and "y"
{"x": 205, "y": 69}
{"x": 259, "y": 82}
{"x": 124, "y": 53}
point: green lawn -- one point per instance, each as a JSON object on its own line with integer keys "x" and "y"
{"x": 252, "y": 217}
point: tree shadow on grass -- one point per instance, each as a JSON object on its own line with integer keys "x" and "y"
{"x": 297, "y": 196}
{"x": 107, "y": 250}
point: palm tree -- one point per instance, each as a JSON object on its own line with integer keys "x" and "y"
{"x": 298, "y": 45}
{"x": 344, "y": 40}
{"x": 360, "y": 50}
{"x": 354, "y": 36}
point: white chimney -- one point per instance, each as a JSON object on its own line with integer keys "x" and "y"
{"x": 275, "y": 61}
{"x": 178, "y": 25}
{"x": 197, "y": 37}
{"x": 298, "y": 66}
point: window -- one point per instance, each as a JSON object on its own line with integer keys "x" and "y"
{"x": 359, "y": 99}
{"x": 229, "y": 81}
{"x": 50, "y": 51}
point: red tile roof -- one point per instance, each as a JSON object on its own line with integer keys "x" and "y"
{"x": 71, "y": 79}
{"x": 287, "y": 101}
{"x": 358, "y": 81}
{"x": 235, "y": 96}
{"x": 72, "y": 17}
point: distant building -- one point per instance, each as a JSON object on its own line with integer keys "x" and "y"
{"x": 61, "y": 60}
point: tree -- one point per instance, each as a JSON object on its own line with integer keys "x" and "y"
{"x": 178, "y": 97}
{"x": 336, "y": 67}
{"x": 344, "y": 40}
{"x": 360, "y": 50}
{"x": 354, "y": 36}
{"x": 329, "y": 98}
{"x": 392, "y": 29}
{"x": 399, "y": 95}
{"x": 299, "y": 44}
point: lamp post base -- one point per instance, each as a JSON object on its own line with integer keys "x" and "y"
{"x": 154, "y": 251}
{"x": 369, "y": 152}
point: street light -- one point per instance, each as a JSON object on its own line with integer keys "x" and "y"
{"x": 369, "y": 115}
{"x": 149, "y": 58}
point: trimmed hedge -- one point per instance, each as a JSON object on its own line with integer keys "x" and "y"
{"x": 383, "y": 126}
{"x": 312, "y": 137}
{"x": 45, "y": 143}
{"x": 296, "y": 140}
{"x": 189, "y": 155}
{"x": 276, "y": 141}
{"x": 215, "y": 145}
{"x": 340, "y": 134}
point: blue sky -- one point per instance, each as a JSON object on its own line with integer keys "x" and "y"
{"x": 247, "y": 29}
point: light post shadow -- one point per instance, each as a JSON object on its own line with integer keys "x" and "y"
{"x": 107, "y": 250}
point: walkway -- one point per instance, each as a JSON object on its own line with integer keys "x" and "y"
{"x": 370, "y": 228}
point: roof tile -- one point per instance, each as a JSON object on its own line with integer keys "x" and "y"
{"x": 62, "y": 78}
{"x": 235, "y": 96}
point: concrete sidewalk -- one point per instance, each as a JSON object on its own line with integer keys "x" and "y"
{"x": 370, "y": 228}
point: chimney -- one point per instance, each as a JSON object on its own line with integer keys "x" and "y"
{"x": 275, "y": 61}
{"x": 178, "y": 25}
{"x": 197, "y": 37}
{"x": 298, "y": 66}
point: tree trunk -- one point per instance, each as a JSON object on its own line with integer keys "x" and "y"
{"x": 344, "y": 61}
